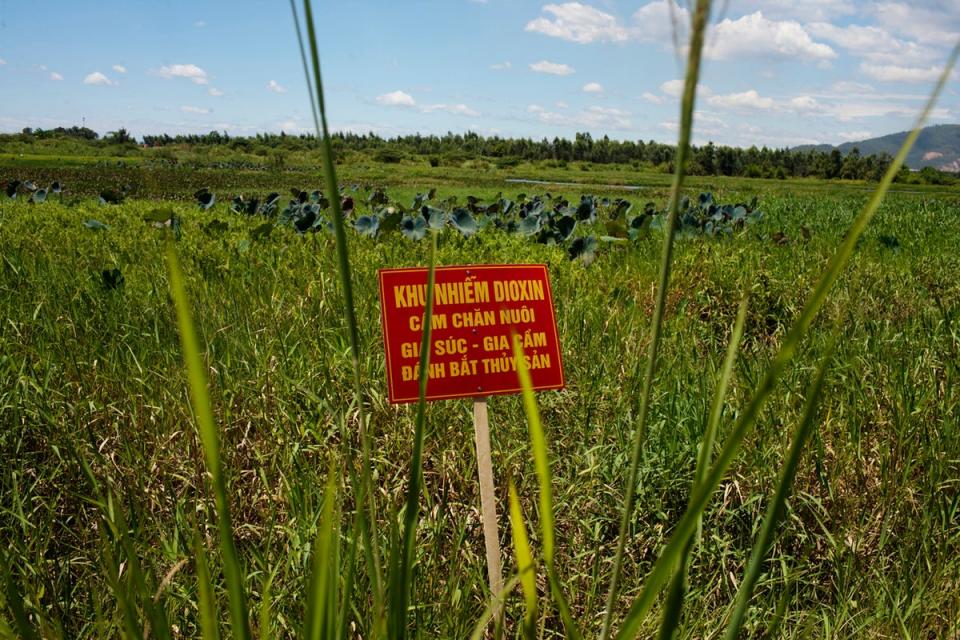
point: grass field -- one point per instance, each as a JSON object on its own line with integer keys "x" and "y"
{"x": 87, "y": 176}
{"x": 870, "y": 543}
{"x": 199, "y": 441}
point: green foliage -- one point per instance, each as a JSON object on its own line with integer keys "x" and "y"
{"x": 546, "y": 218}
{"x": 277, "y": 368}
{"x": 96, "y": 375}
{"x": 95, "y": 225}
{"x": 210, "y": 440}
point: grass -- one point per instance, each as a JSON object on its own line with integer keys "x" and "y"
{"x": 95, "y": 407}
{"x": 180, "y": 183}
{"x": 873, "y": 514}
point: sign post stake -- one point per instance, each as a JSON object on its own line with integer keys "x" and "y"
{"x": 488, "y": 504}
{"x": 477, "y": 309}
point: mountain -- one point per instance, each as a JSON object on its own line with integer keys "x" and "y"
{"x": 937, "y": 146}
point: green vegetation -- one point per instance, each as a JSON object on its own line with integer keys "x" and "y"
{"x": 97, "y": 369}
{"x": 292, "y": 509}
{"x": 282, "y": 152}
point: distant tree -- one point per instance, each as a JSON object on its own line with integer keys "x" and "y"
{"x": 834, "y": 164}
{"x": 852, "y": 167}
{"x": 707, "y": 159}
{"x": 120, "y": 136}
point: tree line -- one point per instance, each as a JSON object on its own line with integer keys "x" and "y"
{"x": 455, "y": 148}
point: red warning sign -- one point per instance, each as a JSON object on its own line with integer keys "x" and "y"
{"x": 476, "y": 309}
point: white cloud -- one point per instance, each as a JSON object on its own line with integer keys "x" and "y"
{"x": 196, "y": 110}
{"x": 897, "y": 73}
{"x": 662, "y": 21}
{"x": 501, "y": 66}
{"x": 396, "y": 99}
{"x": 652, "y": 98}
{"x": 674, "y": 89}
{"x": 606, "y": 116}
{"x": 666, "y": 22}
{"x": 455, "y": 109}
{"x": 276, "y": 87}
{"x": 804, "y": 103}
{"x": 873, "y": 43}
{"x": 595, "y": 117}
{"x": 552, "y": 68}
{"x": 578, "y": 23}
{"x": 119, "y": 68}
{"x": 191, "y": 72}
{"x": 856, "y": 110}
{"x": 846, "y": 86}
{"x": 747, "y": 100}
{"x": 2, "y": 62}
{"x": 754, "y": 35}
{"x": 213, "y": 91}
{"x": 561, "y": 104}
{"x": 805, "y": 11}
{"x": 935, "y": 22}
{"x": 593, "y": 87}
{"x": 97, "y": 78}
{"x": 707, "y": 117}
{"x": 854, "y": 135}
{"x": 55, "y": 76}
{"x": 199, "y": 24}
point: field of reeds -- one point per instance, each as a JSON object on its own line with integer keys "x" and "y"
{"x": 759, "y": 437}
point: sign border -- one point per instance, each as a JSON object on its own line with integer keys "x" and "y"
{"x": 479, "y": 394}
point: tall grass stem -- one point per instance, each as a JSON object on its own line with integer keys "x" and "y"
{"x": 701, "y": 16}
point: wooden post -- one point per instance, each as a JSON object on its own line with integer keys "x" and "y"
{"x": 488, "y": 502}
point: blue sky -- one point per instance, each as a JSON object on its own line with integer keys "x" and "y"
{"x": 777, "y": 73}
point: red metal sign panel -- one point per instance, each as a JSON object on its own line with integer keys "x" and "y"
{"x": 475, "y": 311}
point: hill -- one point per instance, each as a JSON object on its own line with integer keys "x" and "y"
{"x": 937, "y": 146}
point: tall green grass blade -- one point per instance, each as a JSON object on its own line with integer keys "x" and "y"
{"x": 493, "y": 606}
{"x": 538, "y": 442}
{"x": 6, "y": 631}
{"x": 700, "y": 18}
{"x": 344, "y": 614}
{"x": 306, "y": 67}
{"x": 570, "y": 627}
{"x": 777, "y": 507}
{"x": 265, "y": 622}
{"x": 128, "y": 612}
{"x": 206, "y": 605}
{"x": 210, "y": 440}
{"x": 674, "y": 603}
{"x": 368, "y": 495}
{"x": 321, "y": 610}
{"x": 156, "y": 616}
{"x": 716, "y": 409}
{"x": 115, "y": 523}
{"x": 526, "y": 568}
{"x": 781, "y": 611}
{"x": 672, "y": 552}
{"x": 14, "y": 599}
{"x": 402, "y": 590}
